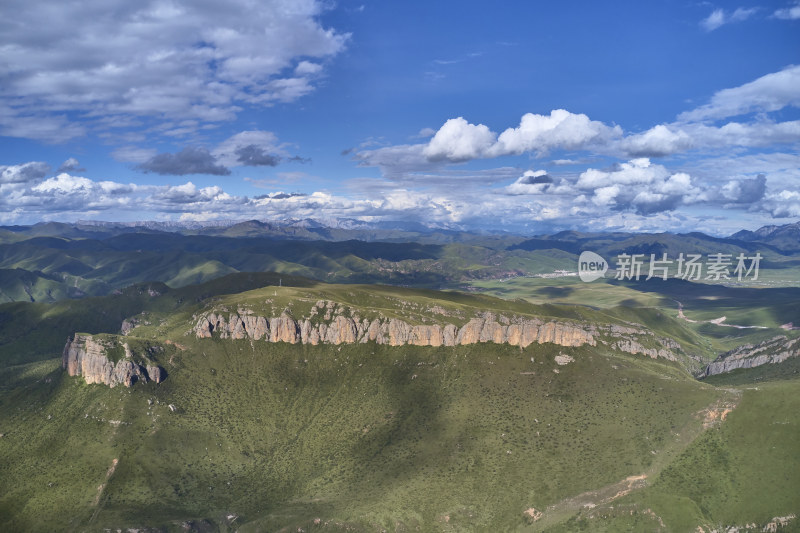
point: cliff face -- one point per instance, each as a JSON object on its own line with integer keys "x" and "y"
{"x": 331, "y": 323}
{"x": 87, "y": 356}
{"x": 392, "y": 331}
{"x": 772, "y": 351}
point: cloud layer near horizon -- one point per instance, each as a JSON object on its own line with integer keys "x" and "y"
{"x": 613, "y": 183}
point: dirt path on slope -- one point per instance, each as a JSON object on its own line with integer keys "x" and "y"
{"x": 102, "y": 487}
{"x": 716, "y": 321}
{"x": 584, "y": 503}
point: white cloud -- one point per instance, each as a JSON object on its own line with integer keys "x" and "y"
{"x": 719, "y": 17}
{"x": 71, "y": 165}
{"x": 458, "y": 140}
{"x": 306, "y": 68}
{"x": 668, "y": 139}
{"x": 189, "y": 193}
{"x": 64, "y": 184}
{"x": 110, "y": 58}
{"x": 789, "y": 13}
{"x": 628, "y": 198}
{"x": 659, "y": 140}
{"x": 783, "y": 204}
{"x": 560, "y": 130}
{"x": 770, "y": 92}
{"x": 531, "y": 182}
{"x": 635, "y": 172}
{"x": 24, "y": 173}
{"x": 640, "y": 185}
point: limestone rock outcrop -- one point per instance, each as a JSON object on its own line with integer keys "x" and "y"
{"x": 88, "y": 357}
{"x": 775, "y": 350}
{"x": 340, "y": 329}
{"x": 331, "y": 323}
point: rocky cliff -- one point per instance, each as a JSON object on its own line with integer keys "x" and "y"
{"x": 87, "y": 356}
{"x": 392, "y": 331}
{"x": 345, "y": 327}
{"x": 772, "y": 351}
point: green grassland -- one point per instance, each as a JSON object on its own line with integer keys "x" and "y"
{"x": 364, "y": 436}
{"x": 745, "y": 470}
{"x": 253, "y": 436}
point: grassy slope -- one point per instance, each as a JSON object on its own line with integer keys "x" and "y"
{"x": 373, "y": 437}
{"x": 366, "y": 435}
{"x": 745, "y": 470}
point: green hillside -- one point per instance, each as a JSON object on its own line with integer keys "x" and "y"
{"x": 255, "y": 436}
{"x": 366, "y": 436}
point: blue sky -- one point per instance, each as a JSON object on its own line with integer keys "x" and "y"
{"x": 521, "y": 116}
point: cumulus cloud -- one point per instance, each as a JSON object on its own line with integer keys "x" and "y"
{"x": 663, "y": 140}
{"x": 635, "y": 195}
{"x": 65, "y": 193}
{"x": 67, "y": 185}
{"x": 658, "y": 141}
{"x": 188, "y": 193}
{"x": 458, "y": 140}
{"x": 531, "y": 182}
{"x": 639, "y": 185}
{"x": 720, "y": 17}
{"x": 783, "y": 204}
{"x": 745, "y": 191}
{"x": 702, "y": 128}
{"x": 188, "y": 161}
{"x": 24, "y": 173}
{"x": 560, "y": 130}
{"x": 71, "y": 165}
{"x": 111, "y": 58}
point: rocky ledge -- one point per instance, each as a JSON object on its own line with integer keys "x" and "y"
{"x": 392, "y": 331}
{"x": 332, "y": 323}
{"x": 87, "y": 356}
{"x": 775, "y": 350}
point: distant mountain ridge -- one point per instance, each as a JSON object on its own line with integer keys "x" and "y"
{"x": 786, "y": 237}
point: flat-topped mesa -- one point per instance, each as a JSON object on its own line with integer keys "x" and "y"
{"x": 516, "y": 331}
{"x": 87, "y": 356}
